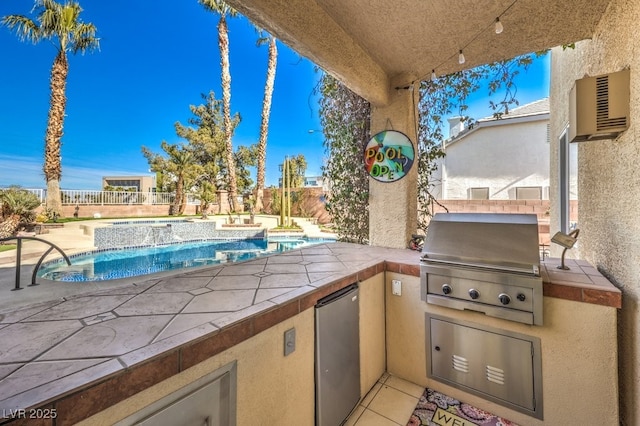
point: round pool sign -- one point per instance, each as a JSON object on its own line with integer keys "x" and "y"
{"x": 388, "y": 156}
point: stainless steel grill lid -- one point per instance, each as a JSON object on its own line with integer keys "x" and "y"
{"x": 488, "y": 240}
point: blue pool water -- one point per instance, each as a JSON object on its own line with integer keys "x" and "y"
{"x": 114, "y": 264}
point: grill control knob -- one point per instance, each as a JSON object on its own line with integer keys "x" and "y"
{"x": 504, "y": 298}
{"x": 521, "y": 297}
{"x": 474, "y": 294}
{"x": 446, "y": 289}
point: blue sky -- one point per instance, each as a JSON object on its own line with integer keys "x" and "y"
{"x": 531, "y": 85}
{"x": 155, "y": 59}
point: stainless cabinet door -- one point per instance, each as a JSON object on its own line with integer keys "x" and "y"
{"x": 208, "y": 401}
{"x": 494, "y": 364}
{"x": 200, "y": 408}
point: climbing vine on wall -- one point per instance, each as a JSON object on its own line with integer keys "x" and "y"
{"x": 345, "y": 119}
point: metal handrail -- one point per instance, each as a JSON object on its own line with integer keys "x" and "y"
{"x": 35, "y": 270}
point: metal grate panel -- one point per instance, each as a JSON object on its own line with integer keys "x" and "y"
{"x": 460, "y": 363}
{"x": 495, "y": 375}
{"x": 603, "y": 121}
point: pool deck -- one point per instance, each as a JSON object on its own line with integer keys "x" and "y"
{"x": 74, "y": 237}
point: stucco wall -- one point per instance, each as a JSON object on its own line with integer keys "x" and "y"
{"x": 393, "y": 206}
{"x": 134, "y": 210}
{"x": 608, "y": 180}
{"x": 501, "y": 158}
{"x": 265, "y": 378}
{"x": 311, "y": 203}
{"x": 578, "y": 363}
{"x": 373, "y": 361}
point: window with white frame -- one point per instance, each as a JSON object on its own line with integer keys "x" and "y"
{"x": 479, "y": 193}
{"x": 567, "y": 183}
{"x": 529, "y": 193}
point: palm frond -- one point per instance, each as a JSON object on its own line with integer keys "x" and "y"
{"x": 25, "y": 28}
{"x": 84, "y": 38}
{"x": 219, "y": 7}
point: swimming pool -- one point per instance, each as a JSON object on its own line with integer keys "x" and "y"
{"x": 147, "y": 222}
{"x": 112, "y": 264}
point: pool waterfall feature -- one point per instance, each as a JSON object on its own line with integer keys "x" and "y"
{"x": 152, "y": 233}
{"x": 132, "y": 249}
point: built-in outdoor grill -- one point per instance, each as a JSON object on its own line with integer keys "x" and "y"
{"x": 488, "y": 263}
{"x": 484, "y": 262}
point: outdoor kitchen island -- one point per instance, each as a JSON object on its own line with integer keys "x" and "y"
{"x": 104, "y": 357}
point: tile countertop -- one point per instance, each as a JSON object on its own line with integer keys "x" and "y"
{"x": 85, "y": 353}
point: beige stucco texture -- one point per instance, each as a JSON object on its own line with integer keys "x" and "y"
{"x": 393, "y": 206}
{"x": 374, "y": 46}
{"x": 265, "y": 378}
{"x": 373, "y": 362}
{"x": 608, "y": 180}
{"x": 578, "y": 355}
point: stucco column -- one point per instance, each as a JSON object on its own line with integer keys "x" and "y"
{"x": 393, "y": 206}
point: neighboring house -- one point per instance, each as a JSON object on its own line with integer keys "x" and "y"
{"x": 313, "y": 181}
{"x": 309, "y": 182}
{"x": 139, "y": 183}
{"x": 498, "y": 159}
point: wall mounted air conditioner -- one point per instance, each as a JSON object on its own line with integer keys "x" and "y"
{"x": 599, "y": 107}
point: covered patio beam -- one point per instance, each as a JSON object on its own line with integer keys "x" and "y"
{"x": 305, "y": 27}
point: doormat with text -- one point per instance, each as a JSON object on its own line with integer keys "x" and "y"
{"x": 436, "y": 409}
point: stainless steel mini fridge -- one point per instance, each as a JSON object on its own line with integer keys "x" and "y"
{"x": 337, "y": 356}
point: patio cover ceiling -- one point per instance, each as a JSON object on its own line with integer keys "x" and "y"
{"x": 376, "y": 45}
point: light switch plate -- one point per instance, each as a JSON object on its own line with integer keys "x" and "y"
{"x": 396, "y": 287}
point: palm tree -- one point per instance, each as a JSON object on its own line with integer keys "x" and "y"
{"x": 297, "y": 169}
{"x": 264, "y": 124}
{"x": 61, "y": 24}
{"x": 221, "y": 8}
{"x": 182, "y": 159}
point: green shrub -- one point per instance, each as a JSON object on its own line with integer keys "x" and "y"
{"x": 16, "y": 201}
